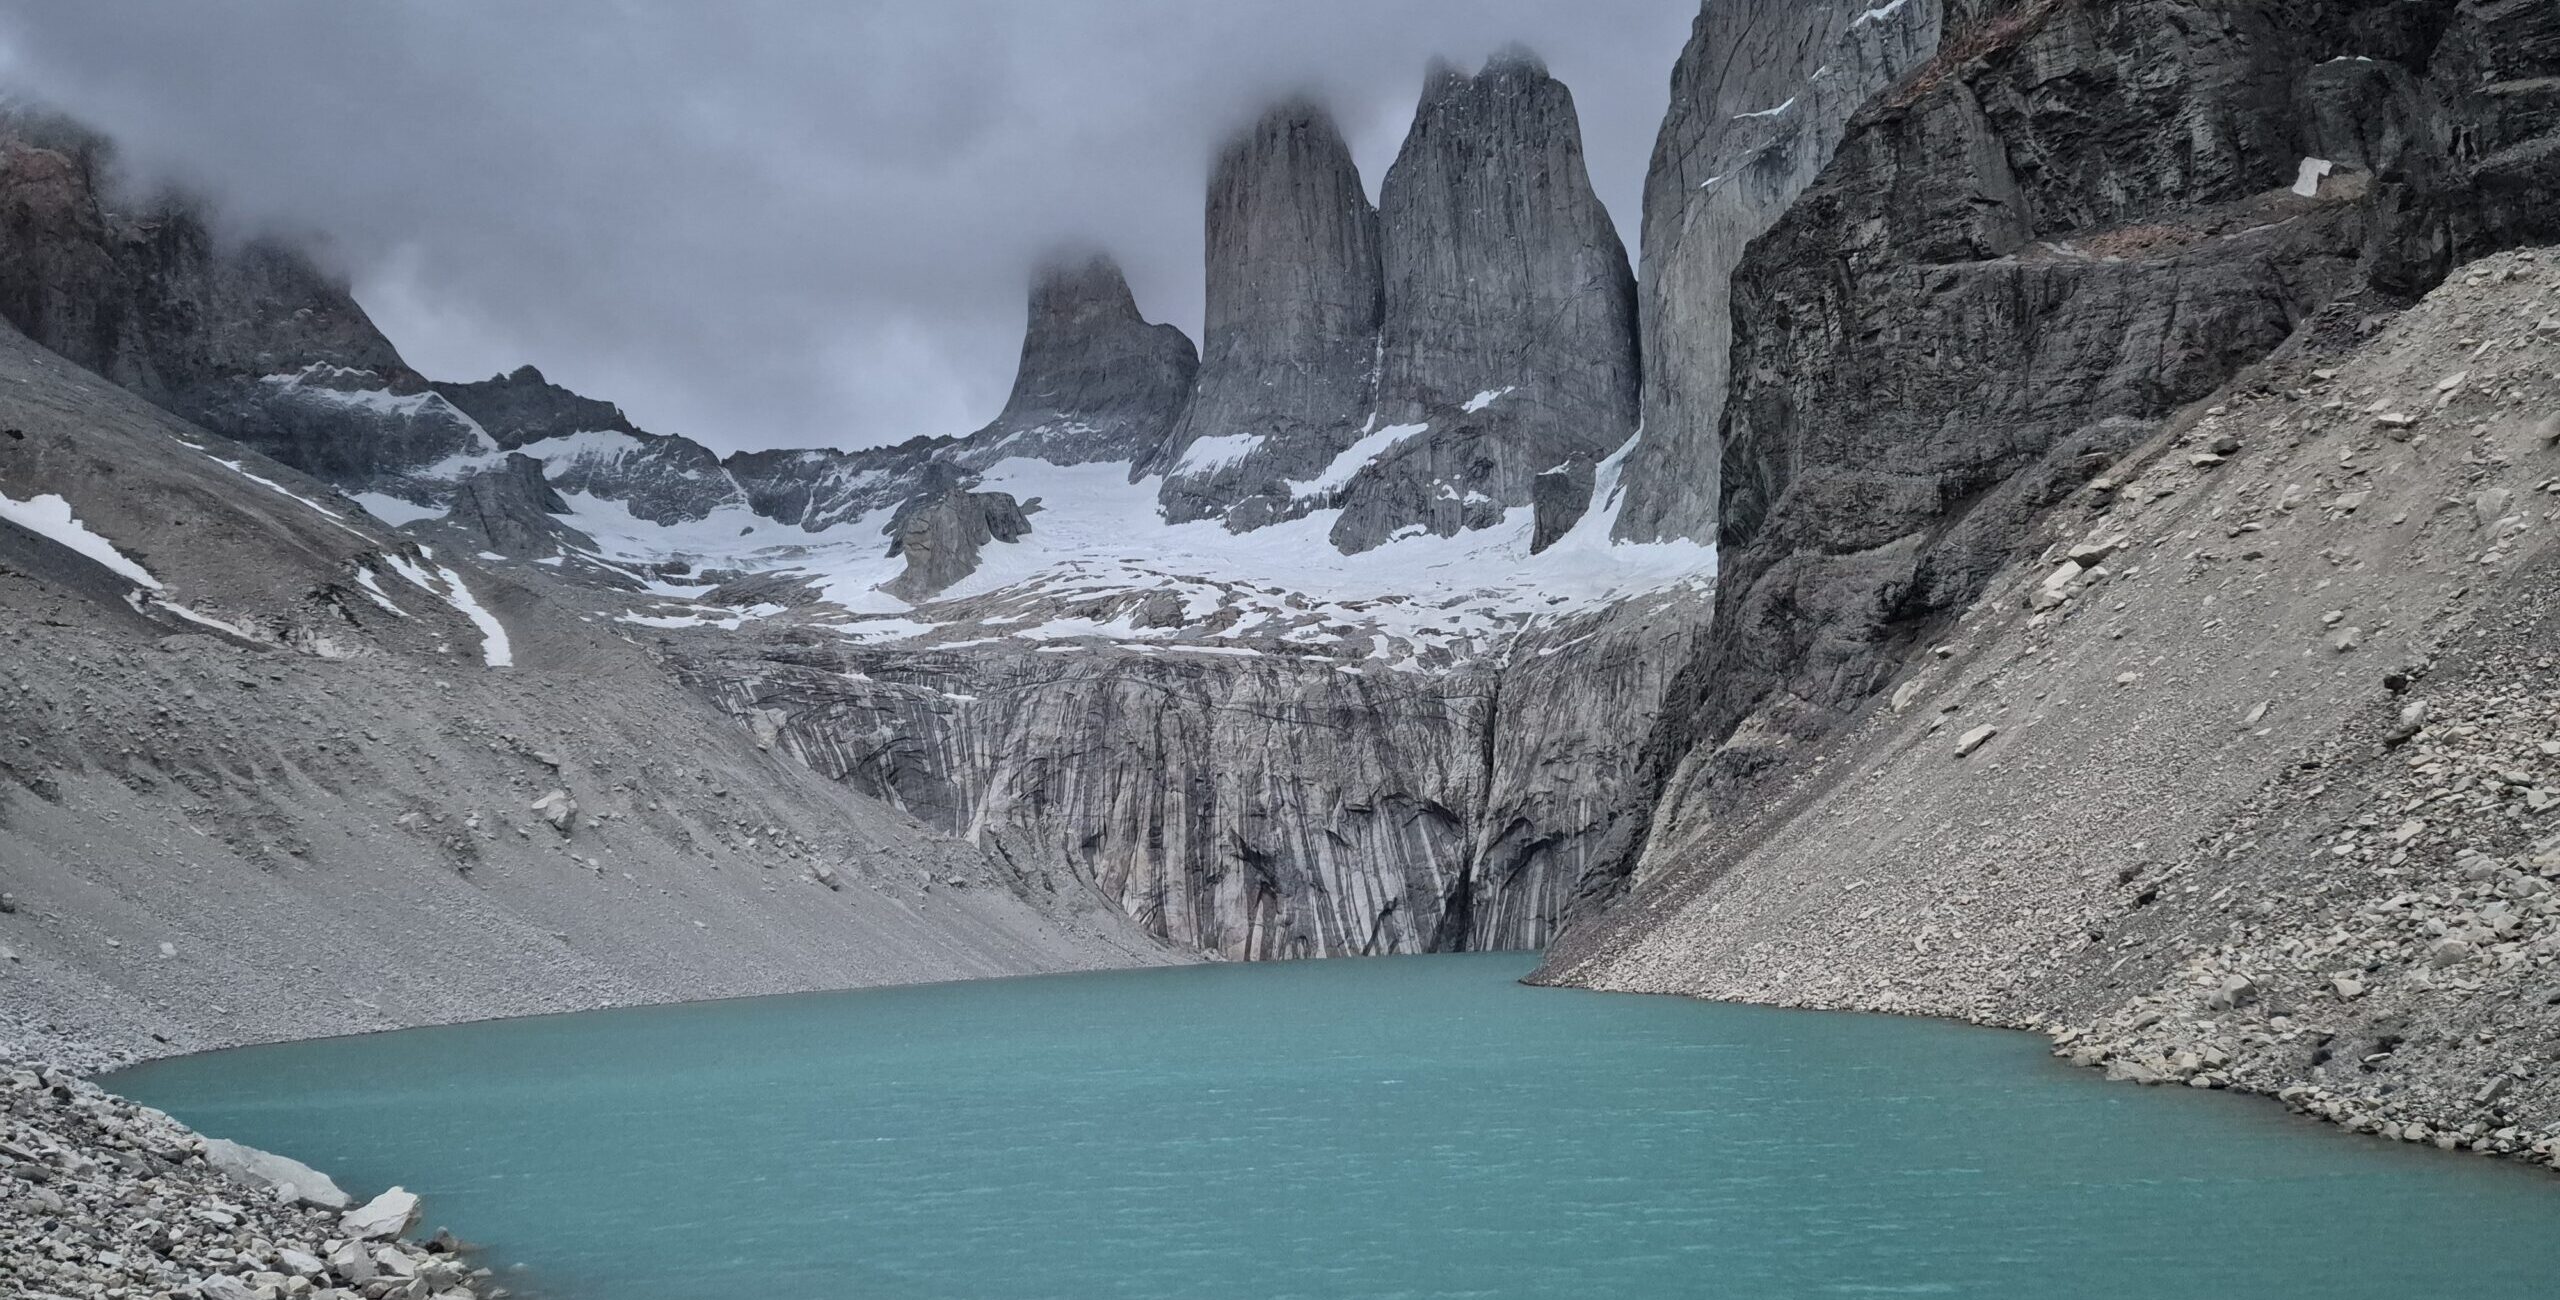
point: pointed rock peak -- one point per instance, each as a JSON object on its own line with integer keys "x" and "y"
{"x": 1080, "y": 286}
{"x": 1516, "y": 60}
{"x": 1296, "y": 114}
{"x": 523, "y": 406}
{"x": 1096, "y": 381}
{"x": 1513, "y": 69}
{"x": 1440, "y": 77}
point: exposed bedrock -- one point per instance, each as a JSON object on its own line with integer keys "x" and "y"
{"x": 2243, "y": 777}
{"x": 1096, "y": 381}
{"x": 1509, "y": 324}
{"x": 941, "y": 538}
{"x": 521, "y": 406}
{"x": 1288, "y": 354}
{"x": 508, "y": 509}
{"x": 1254, "y": 806}
{"x": 1759, "y": 99}
{"x": 1419, "y": 365}
{"x": 818, "y": 488}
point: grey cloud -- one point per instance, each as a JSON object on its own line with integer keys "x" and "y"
{"x": 766, "y": 223}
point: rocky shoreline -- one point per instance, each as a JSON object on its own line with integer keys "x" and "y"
{"x": 103, "y": 1198}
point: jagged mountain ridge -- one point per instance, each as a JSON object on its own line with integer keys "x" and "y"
{"x": 250, "y": 340}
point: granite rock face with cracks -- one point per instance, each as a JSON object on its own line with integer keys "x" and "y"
{"x": 1762, "y": 94}
{"x": 1288, "y": 356}
{"x": 1262, "y": 805}
{"x": 1509, "y": 324}
{"x": 1096, "y": 381}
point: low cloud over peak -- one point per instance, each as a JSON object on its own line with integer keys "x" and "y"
{"x": 770, "y": 224}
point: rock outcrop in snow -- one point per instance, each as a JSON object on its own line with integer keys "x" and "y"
{"x": 940, "y": 538}
{"x": 589, "y": 446}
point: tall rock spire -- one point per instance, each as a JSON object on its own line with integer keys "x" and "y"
{"x": 1502, "y": 267}
{"x": 1289, "y": 352}
{"x": 1096, "y": 382}
{"x": 1509, "y": 325}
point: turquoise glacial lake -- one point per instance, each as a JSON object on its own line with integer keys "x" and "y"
{"x": 1404, "y": 1127}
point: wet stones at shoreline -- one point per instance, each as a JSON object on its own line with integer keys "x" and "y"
{"x": 104, "y": 1199}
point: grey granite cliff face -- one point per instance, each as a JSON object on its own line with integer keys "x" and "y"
{"x": 1096, "y": 381}
{"x": 249, "y": 339}
{"x": 1509, "y": 321}
{"x": 2257, "y": 799}
{"x": 589, "y": 446}
{"x": 1256, "y": 805}
{"x": 1759, "y": 99}
{"x": 1288, "y": 360}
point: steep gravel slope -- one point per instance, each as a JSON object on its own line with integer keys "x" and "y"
{"x": 2241, "y": 780}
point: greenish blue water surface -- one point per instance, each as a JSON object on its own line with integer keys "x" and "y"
{"x": 1407, "y": 1127}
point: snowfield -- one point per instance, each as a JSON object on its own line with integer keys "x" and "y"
{"x": 49, "y": 516}
{"x": 1099, "y": 547}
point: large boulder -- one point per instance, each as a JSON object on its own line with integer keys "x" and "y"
{"x": 382, "y": 1218}
{"x": 288, "y": 1178}
{"x": 941, "y": 539}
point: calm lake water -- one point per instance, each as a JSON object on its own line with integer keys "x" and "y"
{"x": 1407, "y": 1127}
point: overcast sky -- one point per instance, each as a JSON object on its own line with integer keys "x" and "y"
{"x": 767, "y": 223}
